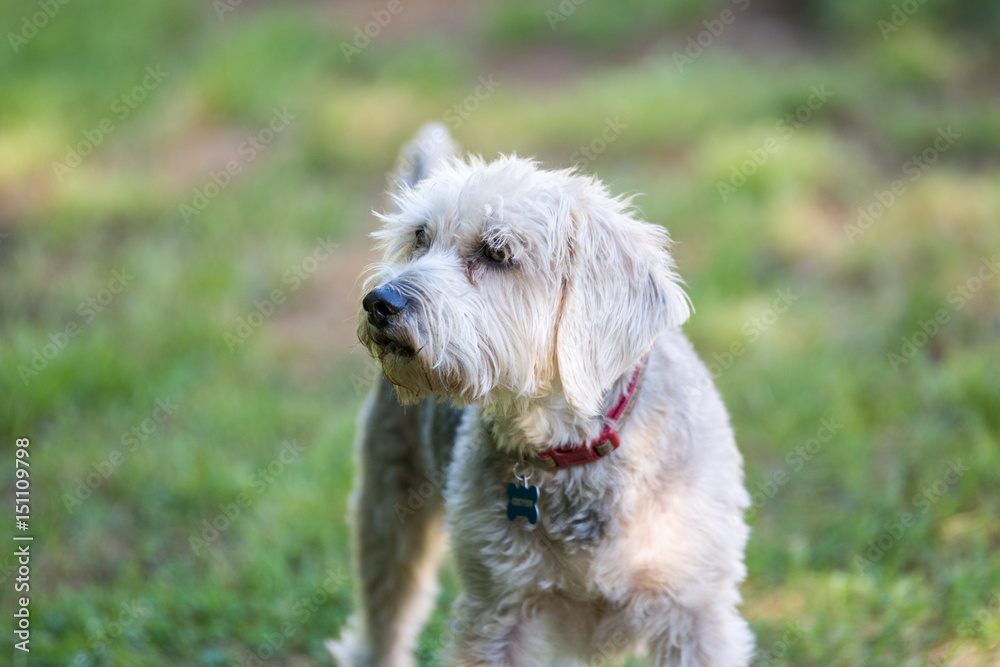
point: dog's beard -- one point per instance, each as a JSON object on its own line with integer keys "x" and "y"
{"x": 417, "y": 365}
{"x": 399, "y": 357}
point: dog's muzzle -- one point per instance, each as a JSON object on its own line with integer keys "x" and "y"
{"x": 386, "y": 306}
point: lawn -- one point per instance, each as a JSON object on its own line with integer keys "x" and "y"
{"x": 185, "y": 194}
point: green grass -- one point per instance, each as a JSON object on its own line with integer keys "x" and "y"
{"x": 115, "y": 578}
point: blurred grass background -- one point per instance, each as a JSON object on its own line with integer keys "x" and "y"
{"x": 158, "y": 398}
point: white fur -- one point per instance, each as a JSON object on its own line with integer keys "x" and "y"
{"x": 640, "y": 551}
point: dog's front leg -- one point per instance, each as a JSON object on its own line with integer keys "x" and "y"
{"x": 487, "y": 635}
{"x": 398, "y": 542}
{"x": 717, "y": 637}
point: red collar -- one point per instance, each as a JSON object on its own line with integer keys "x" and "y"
{"x": 607, "y": 441}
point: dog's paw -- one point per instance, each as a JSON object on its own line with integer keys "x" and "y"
{"x": 350, "y": 650}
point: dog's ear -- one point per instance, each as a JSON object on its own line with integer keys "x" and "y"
{"x": 619, "y": 294}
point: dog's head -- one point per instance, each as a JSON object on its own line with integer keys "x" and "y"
{"x": 503, "y": 281}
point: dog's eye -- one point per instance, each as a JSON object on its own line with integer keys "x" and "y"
{"x": 499, "y": 255}
{"x": 423, "y": 238}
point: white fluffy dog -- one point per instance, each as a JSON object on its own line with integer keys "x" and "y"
{"x": 592, "y": 486}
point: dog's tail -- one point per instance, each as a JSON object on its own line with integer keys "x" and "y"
{"x": 430, "y": 146}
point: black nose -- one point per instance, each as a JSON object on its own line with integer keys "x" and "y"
{"x": 382, "y": 303}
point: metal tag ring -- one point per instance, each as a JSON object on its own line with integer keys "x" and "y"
{"x": 525, "y": 477}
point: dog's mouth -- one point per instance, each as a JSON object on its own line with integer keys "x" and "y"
{"x": 386, "y": 346}
{"x": 396, "y": 348}
{"x": 400, "y": 367}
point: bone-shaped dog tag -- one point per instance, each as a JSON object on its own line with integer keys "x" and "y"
{"x": 522, "y": 501}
